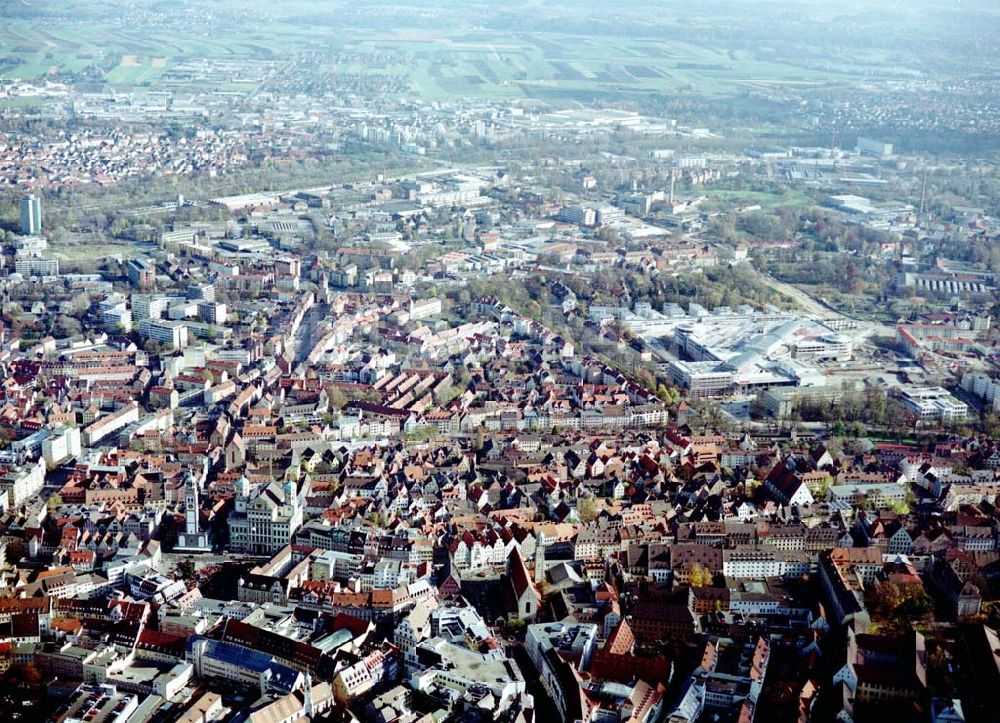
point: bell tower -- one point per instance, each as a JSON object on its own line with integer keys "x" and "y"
{"x": 192, "y": 523}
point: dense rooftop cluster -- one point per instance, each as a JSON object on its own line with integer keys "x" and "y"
{"x": 302, "y": 480}
{"x": 607, "y": 438}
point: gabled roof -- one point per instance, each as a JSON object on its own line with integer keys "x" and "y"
{"x": 520, "y": 580}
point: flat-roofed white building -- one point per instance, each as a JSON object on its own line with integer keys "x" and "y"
{"x": 933, "y": 404}
{"x": 174, "y": 333}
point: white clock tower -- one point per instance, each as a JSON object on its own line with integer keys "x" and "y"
{"x": 192, "y": 539}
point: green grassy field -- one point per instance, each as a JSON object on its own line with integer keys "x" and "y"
{"x": 135, "y": 70}
{"x": 86, "y": 252}
{"x": 442, "y": 64}
{"x": 571, "y": 66}
{"x": 767, "y": 201}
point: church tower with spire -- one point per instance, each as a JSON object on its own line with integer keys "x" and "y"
{"x": 192, "y": 523}
{"x": 539, "y": 558}
{"x": 307, "y": 696}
